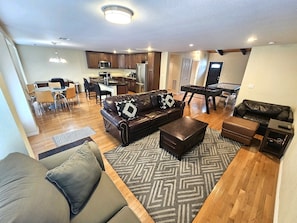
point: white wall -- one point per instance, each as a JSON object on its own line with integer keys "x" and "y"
{"x": 234, "y": 64}
{"x": 270, "y": 76}
{"x": 287, "y": 200}
{"x": 16, "y": 119}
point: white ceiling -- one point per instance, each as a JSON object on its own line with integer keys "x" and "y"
{"x": 164, "y": 25}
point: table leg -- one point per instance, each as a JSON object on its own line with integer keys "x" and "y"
{"x": 191, "y": 98}
{"x": 214, "y": 102}
{"x": 206, "y": 103}
{"x": 185, "y": 96}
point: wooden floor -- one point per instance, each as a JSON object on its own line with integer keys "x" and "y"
{"x": 245, "y": 193}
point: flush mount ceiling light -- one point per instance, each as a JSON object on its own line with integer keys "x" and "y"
{"x": 117, "y": 14}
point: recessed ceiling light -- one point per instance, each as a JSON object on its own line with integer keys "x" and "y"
{"x": 149, "y": 49}
{"x": 191, "y": 45}
{"x": 271, "y": 43}
{"x": 114, "y": 51}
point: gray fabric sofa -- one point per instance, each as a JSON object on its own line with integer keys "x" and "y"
{"x": 27, "y": 195}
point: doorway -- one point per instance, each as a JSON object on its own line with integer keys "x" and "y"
{"x": 186, "y": 69}
{"x": 214, "y": 72}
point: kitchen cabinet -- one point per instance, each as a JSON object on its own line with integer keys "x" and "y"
{"x": 114, "y": 61}
{"x": 121, "y": 61}
{"x": 131, "y": 84}
{"x": 129, "y": 61}
{"x": 94, "y": 57}
{"x": 154, "y": 63}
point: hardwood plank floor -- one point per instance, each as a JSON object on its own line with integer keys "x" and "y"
{"x": 245, "y": 193}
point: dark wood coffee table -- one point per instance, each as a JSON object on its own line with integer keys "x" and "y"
{"x": 181, "y": 135}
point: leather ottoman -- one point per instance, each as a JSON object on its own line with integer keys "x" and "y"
{"x": 239, "y": 129}
{"x": 181, "y": 135}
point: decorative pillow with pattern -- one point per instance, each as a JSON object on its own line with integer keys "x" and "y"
{"x": 166, "y": 101}
{"x": 127, "y": 109}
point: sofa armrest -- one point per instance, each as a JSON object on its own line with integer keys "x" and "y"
{"x": 181, "y": 105}
{"x": 120, "y": 123}
{"x": 113, "y": 118}
{"x": 291, "y": 116}
{"x": 239, "y": 110}
{"x": 58, "y": 158}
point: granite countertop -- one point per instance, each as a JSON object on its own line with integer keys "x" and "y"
{"x": 112, "y": 83}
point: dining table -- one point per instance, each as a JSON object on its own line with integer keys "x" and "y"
{"x": 58, "y": 95}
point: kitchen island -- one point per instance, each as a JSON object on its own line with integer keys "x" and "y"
{"x": 114, "y": 86}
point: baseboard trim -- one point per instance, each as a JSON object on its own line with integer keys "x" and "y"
{"x": 276, "y": 204}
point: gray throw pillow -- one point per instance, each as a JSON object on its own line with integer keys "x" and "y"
{"x": 76, "y": 177}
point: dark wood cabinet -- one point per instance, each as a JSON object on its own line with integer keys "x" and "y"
{"x": 121, "y": 61}
{"x": 94, "y": 57}
{"x": 131, "y": 84}
{"x": 154, "y": 63}
{"x": 129, "y": 61}
{"x": 114, "y": 61}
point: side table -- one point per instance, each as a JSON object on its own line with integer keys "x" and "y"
{"x": 277, "y": 137}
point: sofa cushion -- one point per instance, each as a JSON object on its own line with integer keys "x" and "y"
{"x": 166, "y": 100}
{"x": 76, "y": 177}
{"x": 143, "y": 102}
{"x": 283, "y": 116}
{"x": 104, "y": 203}
{"x": 125, "y": 215}
{"x": 127, "y": 109}
{"x": 25, "y": 194}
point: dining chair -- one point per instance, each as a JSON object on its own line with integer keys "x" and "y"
{"x": 89, "y": 88}
{"x": 54, "y": 84}
{"x": 100, "y": 93}
{"x": 71, "y": 95}
{"x": 45, "y": 97}
{"x": 60, "y": 80}
{"x": 30, "y": 88}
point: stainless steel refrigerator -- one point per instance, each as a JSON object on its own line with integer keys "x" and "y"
{"x": 142, "y": 74}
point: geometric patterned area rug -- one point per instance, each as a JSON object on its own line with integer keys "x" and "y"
{"x": 169, "y": 189}
{"x": 72, "y": 136}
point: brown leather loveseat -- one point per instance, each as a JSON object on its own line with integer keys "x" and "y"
{"x": 150, "y": 113}
{"x": 262, "y": 112}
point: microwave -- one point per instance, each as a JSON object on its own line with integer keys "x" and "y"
{"x": 104, "y": 64}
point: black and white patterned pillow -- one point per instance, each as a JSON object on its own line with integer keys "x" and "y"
{"x": 127, "y": 109}
{"x": 166, "y": 101}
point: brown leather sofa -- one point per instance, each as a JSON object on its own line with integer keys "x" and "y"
{"x": 262, "y": 112}
{"x": 148, "y": 119}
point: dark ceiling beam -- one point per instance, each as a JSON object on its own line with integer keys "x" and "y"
{"x": 230, "y": 50}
